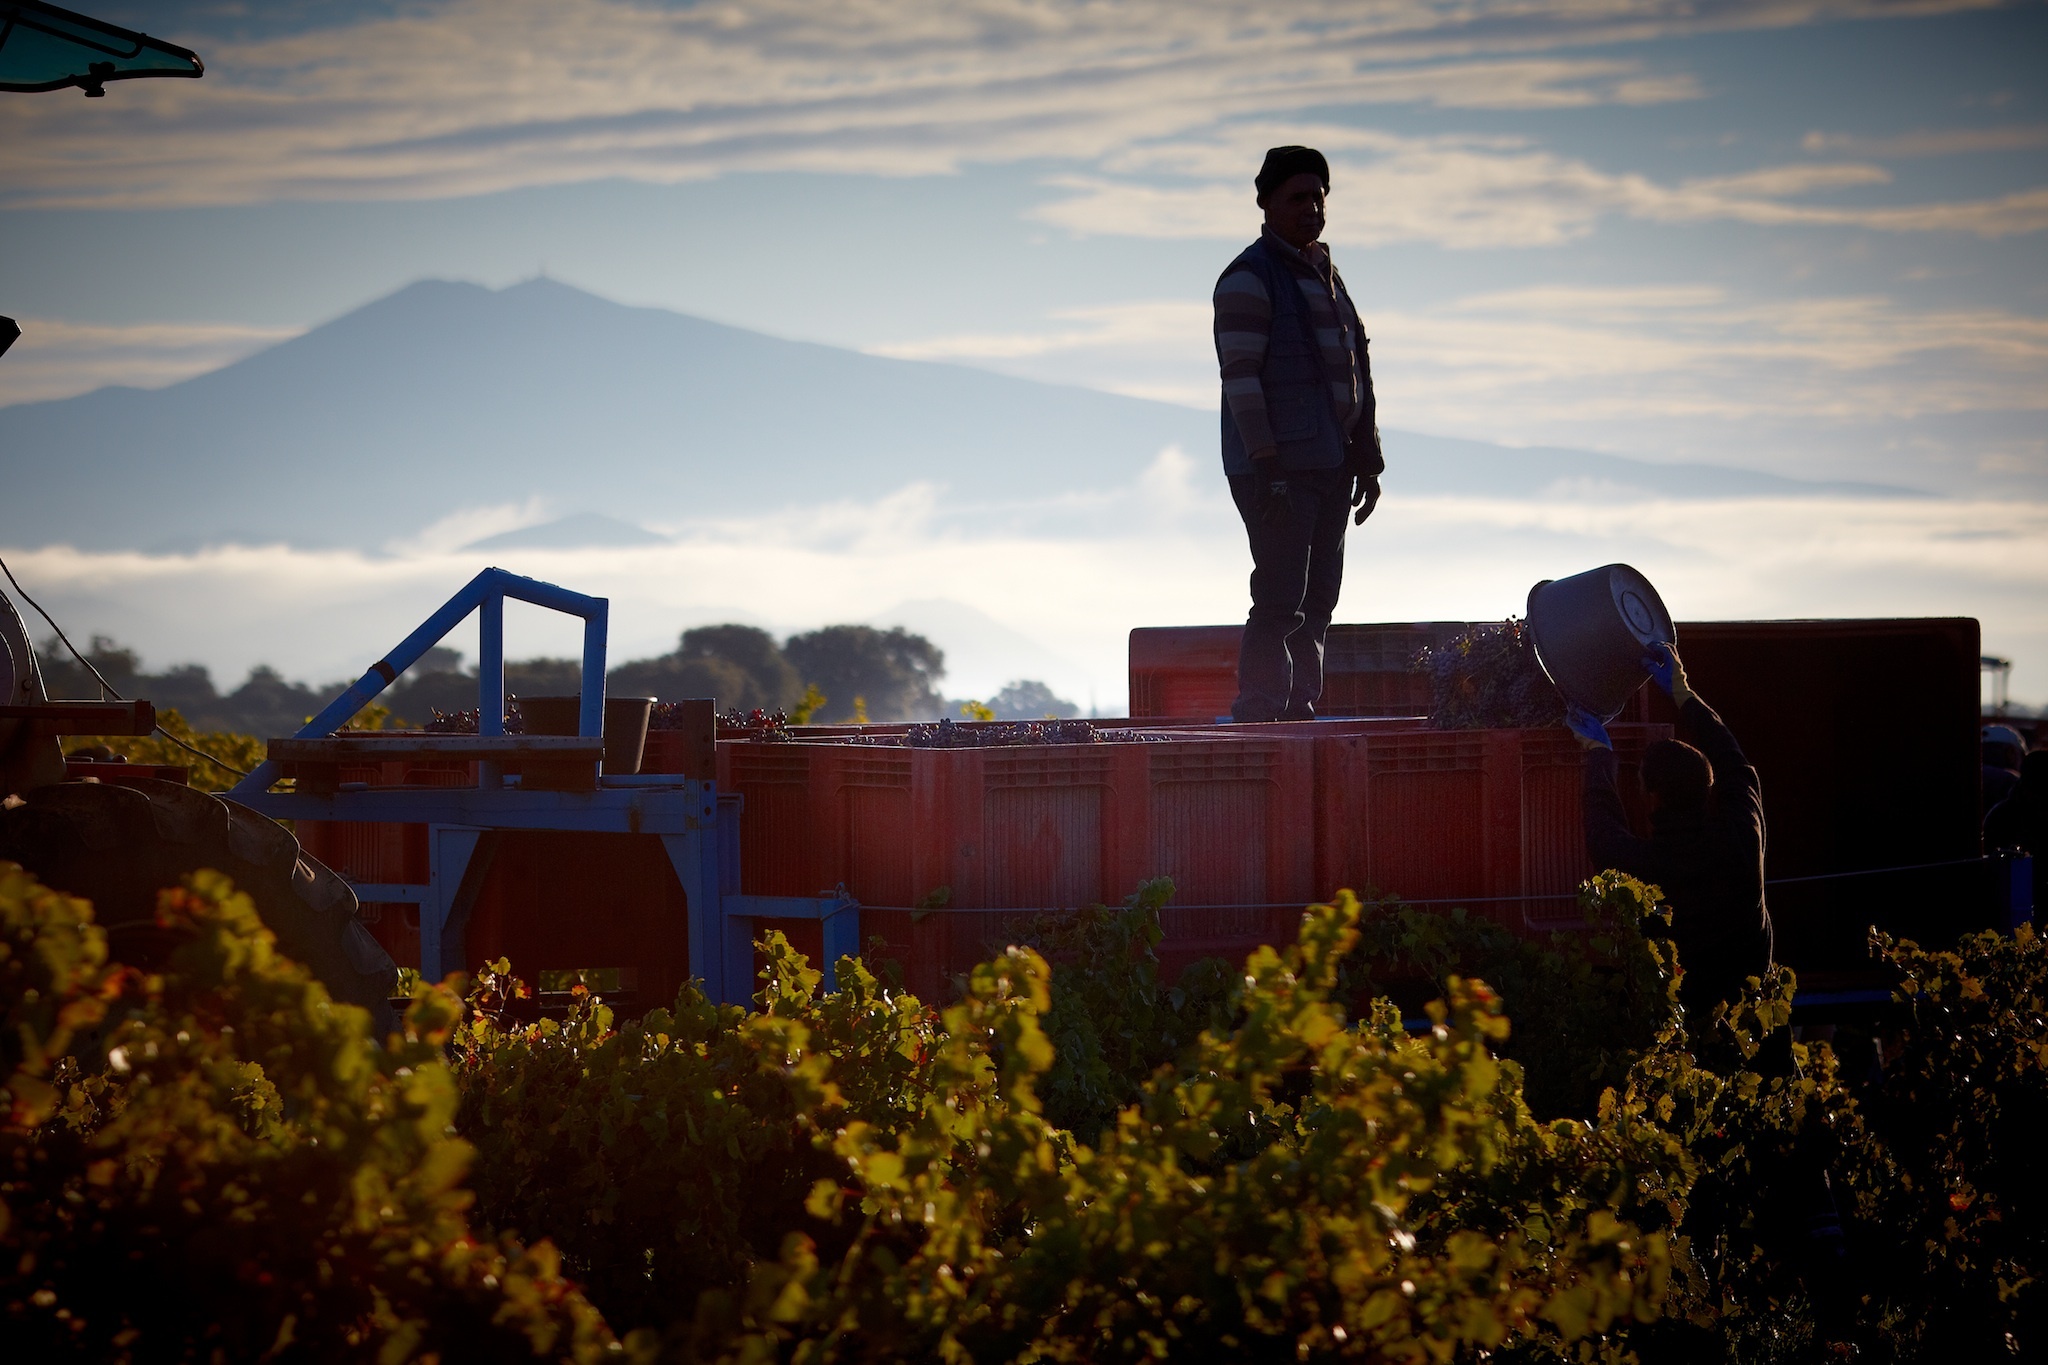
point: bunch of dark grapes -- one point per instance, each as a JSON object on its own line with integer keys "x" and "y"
{"x": 946, "y": 734}
{"x": 738, "y": 724}
{"x": 1487, "y": 678}
{"x": 465, "y": 722}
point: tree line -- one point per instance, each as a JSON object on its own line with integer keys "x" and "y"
{"x": 862, "y": 672}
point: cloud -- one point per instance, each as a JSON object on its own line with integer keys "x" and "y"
{"x": 1942, "y": 142}
{"x": 471, "y": 96}
{"x": 58, "y": 359}
{"x": 1146, "y": 323}
{"x": 1511, "y": 362}
{"x": 1570, "y": 351}
{"x": 1478, "y": 192}
{"x": 1169, "y": 551}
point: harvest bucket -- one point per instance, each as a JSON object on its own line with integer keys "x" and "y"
{"x": 625, "y": 725}
{"x": 1591, "y": 631}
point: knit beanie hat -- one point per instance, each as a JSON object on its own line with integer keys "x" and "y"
{"x": 1284, "y": 163}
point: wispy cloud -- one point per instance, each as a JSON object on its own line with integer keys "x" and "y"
{"x": 1941, "y": 142}
{"x": 1576, "y": 352}
{"x": 1147, "y": 324}
{"x": 1509, "y": 363}
{"x": 56, "y": 359}
{"x": 1482, "y": 192}
{"x": 477, "y": 95}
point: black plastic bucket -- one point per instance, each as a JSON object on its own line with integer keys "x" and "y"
{"x": 625, "y": 725}
{"x": 1591, "y": 631}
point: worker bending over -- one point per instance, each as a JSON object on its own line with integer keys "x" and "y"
{"x": 1706, "y": 844}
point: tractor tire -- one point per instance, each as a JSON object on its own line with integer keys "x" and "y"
{"x": 117, "y": 846}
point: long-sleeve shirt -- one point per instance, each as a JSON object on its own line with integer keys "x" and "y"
{"x": 1709, "y": 864}
{"x": 1244, "y": 326}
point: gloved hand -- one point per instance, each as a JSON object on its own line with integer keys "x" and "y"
{"x": 1583, "y": 723}
{"x": 1662, "y": 664}
{"x": 1365, "y": 495}
{"x": 1272, "y": 494}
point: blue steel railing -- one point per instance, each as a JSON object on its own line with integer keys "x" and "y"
{"x": 485, "y": 595}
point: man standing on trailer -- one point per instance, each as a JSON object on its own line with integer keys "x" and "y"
{"x": 1301, "y": 444}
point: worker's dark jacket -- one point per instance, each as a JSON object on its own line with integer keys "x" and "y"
{"x": 1314, "y": 383}
{"x": 1709, "y": 864}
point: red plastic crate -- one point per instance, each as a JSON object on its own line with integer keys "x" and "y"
{"x": 1416, "y": 813}
{"x": 1191, "y": 671}
{"x": 1490, "y": 817}
{"x": 1188, "y": 671}
{"x": 1553, "y": 834}
{"x": 1230, "y": 820}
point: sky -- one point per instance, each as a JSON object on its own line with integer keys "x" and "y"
{"x": 1807, "y": 236}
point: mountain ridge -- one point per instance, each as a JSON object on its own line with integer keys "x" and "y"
{"x": 444, "y": 396}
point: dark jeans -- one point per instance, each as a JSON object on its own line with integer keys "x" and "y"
{"x": 1297, "y": 569}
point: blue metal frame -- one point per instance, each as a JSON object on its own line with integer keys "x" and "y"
{"x": 485, "y": 594}
{"x": 697, "y": 825}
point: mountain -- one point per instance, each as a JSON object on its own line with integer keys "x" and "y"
{"x": 447, "y": 396}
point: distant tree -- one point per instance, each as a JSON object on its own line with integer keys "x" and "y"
{"x": 774, "y": 678}
{"x": 672, "y": 678}
{"x": 1027, "y": 699}
{"x": 544, "y": 678}
{"x": 894, "y": 673}
{"x": 438, "y": 659}
{"x": 266, "y": 705}
{"x": 734, "y": 665}
{"x": 187, "y": 688}
{"x": 64, "y": 676}
{"x": 436, "y": 682}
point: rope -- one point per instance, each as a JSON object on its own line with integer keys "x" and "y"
{"x": 1875, "y": 871}
{"x": 195, "y": 749}
{"x": 106, "y": 687}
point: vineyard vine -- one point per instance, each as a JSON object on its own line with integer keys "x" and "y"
{"x": 1073, "y": 1160}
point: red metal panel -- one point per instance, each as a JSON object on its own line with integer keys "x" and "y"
{"x": 363, "y": 852}
{"x": 554, "y": 900}
{"x": 1865, "y": 736}
{"x": 397, "y": 927}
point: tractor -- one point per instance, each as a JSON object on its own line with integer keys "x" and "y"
{"x": 118, "y": 841}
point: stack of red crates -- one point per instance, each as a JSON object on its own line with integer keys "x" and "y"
{"x": 1251, "y": 823}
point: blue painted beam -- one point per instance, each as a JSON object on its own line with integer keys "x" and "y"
{"x": 486, "y": 593}
{"x": 407, "y": 893}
